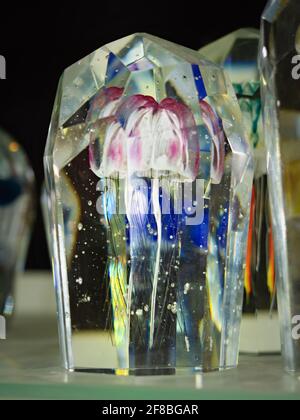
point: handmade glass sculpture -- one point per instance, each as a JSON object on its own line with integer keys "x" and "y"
{"x": 280, "y": 48}
{"x": 149, "y": 178}
{"x": 16, "y": 216}
{"x": 238, "y": 53}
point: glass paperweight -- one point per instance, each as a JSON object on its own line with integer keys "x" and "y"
{"x": 150, "y": 179}
{"x": 280, "y": 49}
{"x": 238, "y": 53}
{"x": 16, "y": 216}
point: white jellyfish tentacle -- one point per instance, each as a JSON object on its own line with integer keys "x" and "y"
{"x": 157, "y": 215}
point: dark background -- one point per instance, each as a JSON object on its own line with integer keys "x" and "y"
{"x": 41, "y": 40}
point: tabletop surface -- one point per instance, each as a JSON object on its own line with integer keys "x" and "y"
{"x": 29, "y": 369}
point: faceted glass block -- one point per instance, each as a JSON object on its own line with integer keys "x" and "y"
{"x": 16, "y": 216}
{"x": 279, "y": 53}
{"x": 238, "y": 53}
{"x": 149, "y": 178}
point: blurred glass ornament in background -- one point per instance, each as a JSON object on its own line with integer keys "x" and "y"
{"x": 17, "y": 210}
{"x": 238, "y": 53}
{"x": 149, "y": 178}
{"x": 279, "y": 62}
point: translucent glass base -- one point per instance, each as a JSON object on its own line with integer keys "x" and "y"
{"x": 152, "y": 372}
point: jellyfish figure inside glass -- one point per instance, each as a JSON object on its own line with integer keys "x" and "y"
{"x": 149, "y": 177}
